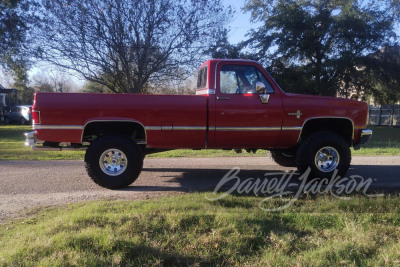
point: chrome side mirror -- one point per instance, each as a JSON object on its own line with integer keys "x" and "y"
{"x": 260, "y": 88}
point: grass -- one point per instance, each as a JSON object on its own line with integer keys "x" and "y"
{"x": 189, "y": 230}
{"x": 385, "y": 141}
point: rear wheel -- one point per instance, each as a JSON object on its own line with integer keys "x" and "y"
{"x": 284, "y": 157}
{"x": 113, "y": 162}
{"x": 323, "y": 153}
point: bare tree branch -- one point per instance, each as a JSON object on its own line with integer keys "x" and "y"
{"x": 124, "y": 44}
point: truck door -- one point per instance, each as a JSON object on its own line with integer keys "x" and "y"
{"x": 242, "y": 119}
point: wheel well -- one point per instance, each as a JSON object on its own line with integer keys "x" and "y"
{"x": 132, "y": 130}
{"x": 343, "y": 127}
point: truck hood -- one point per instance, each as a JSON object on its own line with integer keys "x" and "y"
{"x": 327, "y": 98}
{"x": 324, "y": 106}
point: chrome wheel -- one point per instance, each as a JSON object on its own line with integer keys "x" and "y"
{"x": 327, "y": 159}
{"x": 113, "y": 162}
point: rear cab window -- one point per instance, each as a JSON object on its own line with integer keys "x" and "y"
{"x": 202, "y": 78}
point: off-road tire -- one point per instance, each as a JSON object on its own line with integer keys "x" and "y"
{"x": 283, "y": 157}
{"x": 309, "y": 149}
{"x": 132, "y": 155}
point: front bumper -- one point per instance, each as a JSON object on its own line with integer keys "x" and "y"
{"x": 364, "y": 138}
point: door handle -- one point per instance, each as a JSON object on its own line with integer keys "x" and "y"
{"x": 223, "y": 98}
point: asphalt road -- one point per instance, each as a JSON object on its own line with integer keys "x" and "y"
{"x": 28, "y": 184}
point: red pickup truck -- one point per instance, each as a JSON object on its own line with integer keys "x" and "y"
{"x": 237, "y": 105}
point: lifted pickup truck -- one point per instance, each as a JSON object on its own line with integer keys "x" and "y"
{"x": 237, "y": 105}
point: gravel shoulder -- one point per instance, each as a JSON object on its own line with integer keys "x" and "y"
{"x": 28, "y": 184}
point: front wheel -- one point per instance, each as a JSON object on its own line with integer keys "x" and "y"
{"x": 113, "y": 162}
{"x": 323, "y": 153}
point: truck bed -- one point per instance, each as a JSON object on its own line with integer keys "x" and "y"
{"x": 183, "y": 118}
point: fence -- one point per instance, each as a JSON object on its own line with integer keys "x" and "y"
{"x": 386, "y": 115}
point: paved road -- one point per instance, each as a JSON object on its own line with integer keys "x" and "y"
{"x": 24, "y": 185}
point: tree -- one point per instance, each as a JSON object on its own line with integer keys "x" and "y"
{"x": 92, "y": 87}
{"x": 14, "y": 20}
{"x": 53, "y": 81}
{"x": 223, "y": 49}
{"x": 322, "y": 46}
{"x": 384, "y": 69}
{"x": 174, "y": 87}
{"x": 124, "y": 44}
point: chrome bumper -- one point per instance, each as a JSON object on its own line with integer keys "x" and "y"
{"x": 364, "y": 138}
{"x": 31, "y": 139}
{"x": 39, "y": 145}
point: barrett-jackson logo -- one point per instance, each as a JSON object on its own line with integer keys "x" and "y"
{"x": 272, "y": 187}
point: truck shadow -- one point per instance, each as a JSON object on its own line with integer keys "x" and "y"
{"x": 383, "y": 178}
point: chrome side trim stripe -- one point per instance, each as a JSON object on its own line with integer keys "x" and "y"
{"x": 176, "y": 128}
{"x": 292, "y": 128}
{"x": 153, "y": 128}
{"x": 189, "y": 128}
{"x": 248, "y": 128}
{"x": 57, "y": 127}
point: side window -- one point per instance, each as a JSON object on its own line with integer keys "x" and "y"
{"x": 240, "y": 79}
{"x": 228, "y": 81}
{"x": 268, "y": 86}
{"x": 252, "y": 77}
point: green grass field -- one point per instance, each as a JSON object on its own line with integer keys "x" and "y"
{"x": 189, "y": 230}
{"x": 385, "y": 141}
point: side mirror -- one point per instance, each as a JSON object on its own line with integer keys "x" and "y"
{"x": 260, "y": 88}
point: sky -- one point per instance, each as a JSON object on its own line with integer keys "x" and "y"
{"x": 240, "y": 22}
